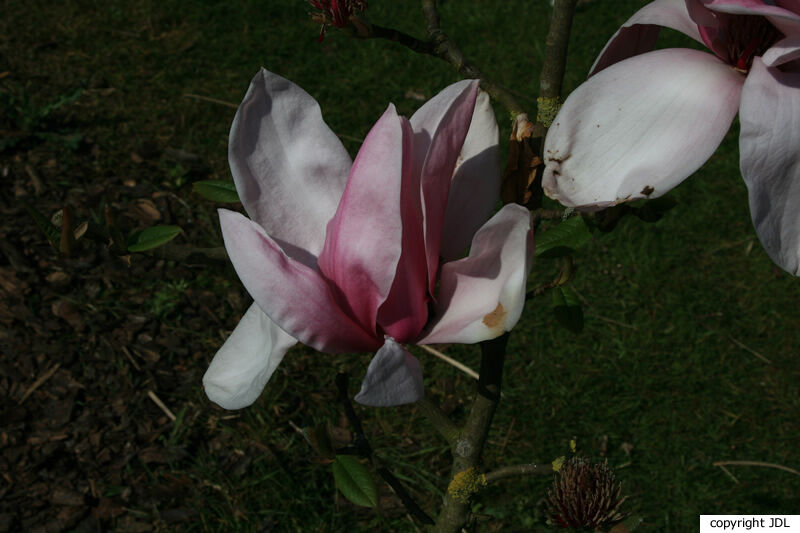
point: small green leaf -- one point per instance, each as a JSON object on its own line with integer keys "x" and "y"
{"x": 217, "y": 190}
{"x": 150, "y": 238}
{"x": 567, "y": 309}
{"x": 562, "y": 239}
{"x": 49, "y": 229}
{"x": 354, "y": 481}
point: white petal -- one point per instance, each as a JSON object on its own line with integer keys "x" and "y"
{"x": 246, "y": 361}
{"x": 481, "y": 296}
{"x": 290, "y": 169}
{"x": 440, "y": 128}
{"x": 394, "y": 377}
{"x": 769, "y": 151}
{"x": 476, "y": 182}
{"x": 785, "y": 50}
{"x": 638, "y": 34}
{"x": 639, "y": 127}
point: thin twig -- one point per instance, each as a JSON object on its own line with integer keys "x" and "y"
{"x": 362, "y": 445}
{"x": 518, "y": 470}
{"x": 464, "y": 368}
{"x": 728, "y": 472}
{"x": 447, "y": 50}
{"x": 366, "y": 30}
{"x": 756, "y": 463}
{"x": 738, "y": 343}
{"x": 212, "y": 100}
{"x": 161, "y": 405}
{"x": 39, "y": 382}
{"x": 130, "y": 357}
{"x": 747, "y": 348}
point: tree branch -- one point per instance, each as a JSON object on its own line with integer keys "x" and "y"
{"x": 518, "y": 470}
{"x": 468, "y": 446}
{"x": 554, "y": 65}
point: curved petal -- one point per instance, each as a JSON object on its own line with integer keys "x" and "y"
{"x": 785, "y": 50}
{"x": 770, "y": 160}
{"x": 639, "y": 128}
{"x": 394, "y": 377}
{"x": 475, "y": 188}
{"x": 481, "y": 296}
{"x": 244, "y": 364}
{"x": 289, "y": 167}
{"x": 293, "y": 295}
{"x": 786, "y": 20}
{"x": 440, "y": 127}
{"x": 364, "y": 241}
{"x": 638, "y": 35}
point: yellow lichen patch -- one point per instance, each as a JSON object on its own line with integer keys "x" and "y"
{"x": 548, "y": 109}
{"x": 496, "y": 319}
{"x": 465, "y": 484}
{"x": 558, "y": 462}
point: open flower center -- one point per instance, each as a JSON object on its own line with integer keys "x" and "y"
{"x": 745, "y": 37}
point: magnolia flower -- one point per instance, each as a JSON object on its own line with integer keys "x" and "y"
{"x": 345, "y": 256}
{"x": 646, "y": 120}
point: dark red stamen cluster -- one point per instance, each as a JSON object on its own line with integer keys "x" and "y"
{"x": 745, "y": 37}
{"x": 336, "y": 12}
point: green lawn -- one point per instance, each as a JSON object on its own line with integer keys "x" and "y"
{"x": 689, "y": 354}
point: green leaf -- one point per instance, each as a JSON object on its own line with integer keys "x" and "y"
{"x": 567, "y": 309}
{"x": 49, "y": 229}
{"x": 562, "y": 239}
{"x": 354, "y": 481}
{"x": 217, "y": 190}
{"x": 150, "y": 238}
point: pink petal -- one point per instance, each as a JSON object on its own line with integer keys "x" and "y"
{"x": 769, "y": 151}
{"x": 394, "y": 377}
{"x": 475, "y": 188}
{"x": 638, "y": 35}
{"x": 365, "y": 238}
{"x": 404, "y": 312}
{"x": 785, "y": 50}
{"x": 293, "y": 295}
{"x": 786, "y": 20}
{"x": 244, "y": 364}
{"x": 481, "y": 296}
{"x": 289, "y": 167}
{"x": 639, "y": 127}
{"x": 440, "y": 127}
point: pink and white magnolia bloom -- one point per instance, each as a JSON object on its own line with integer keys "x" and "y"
{"x": 645, "y": 120}
{"x": 347, "y": 256}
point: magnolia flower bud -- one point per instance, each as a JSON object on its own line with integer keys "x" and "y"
{"x": 335, "y": 12}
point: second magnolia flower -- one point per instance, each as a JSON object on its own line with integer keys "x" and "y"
{"x": 347, "y": 256}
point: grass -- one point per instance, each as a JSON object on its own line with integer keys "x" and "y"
{"x": 666, "y": 367}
